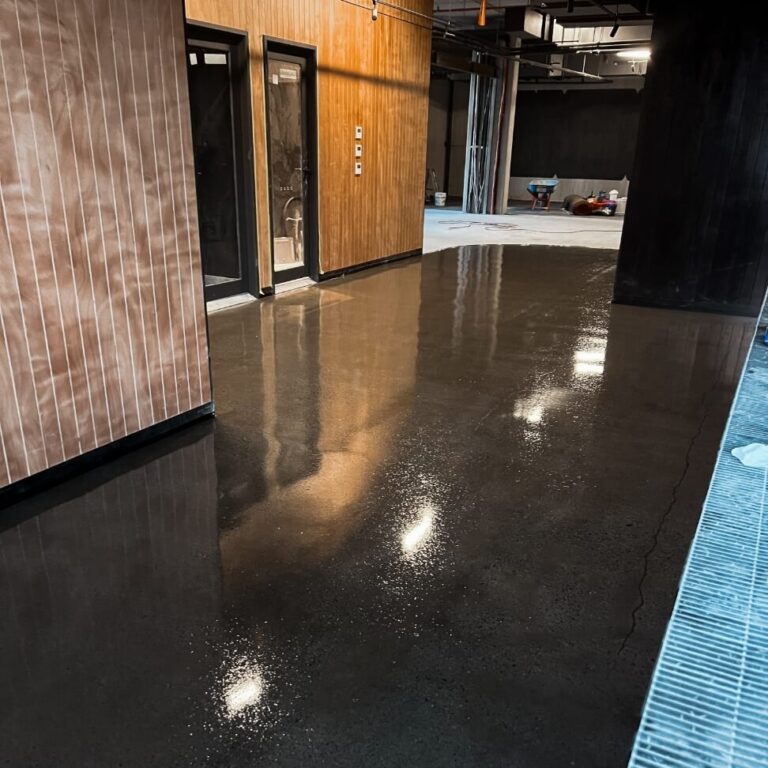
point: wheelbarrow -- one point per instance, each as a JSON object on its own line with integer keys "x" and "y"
{"x": 541, "y": 191}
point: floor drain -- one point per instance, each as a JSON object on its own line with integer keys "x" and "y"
{"x": 708, "y": 702}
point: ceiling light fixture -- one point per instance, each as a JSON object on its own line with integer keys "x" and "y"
{"x": 375, "y": 10}
{"x": 635, "y": 54}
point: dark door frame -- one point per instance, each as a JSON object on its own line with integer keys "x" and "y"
{"x": 308, "y": 53}
{"x": 236, "y": 41}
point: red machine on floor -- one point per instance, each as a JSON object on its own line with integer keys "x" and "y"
{"x": 601, "y": 203}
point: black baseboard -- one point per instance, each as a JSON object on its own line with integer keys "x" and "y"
{"x": 368, "y": 264}
{"x": 44, "y": 480}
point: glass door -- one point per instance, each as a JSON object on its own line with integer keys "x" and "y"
{"x": 290, "y": 164}
{"x": 218, "y": 159}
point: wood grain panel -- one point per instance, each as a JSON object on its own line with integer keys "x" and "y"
{"x": 102, "y": 324}
{"x": 370, "y": 74}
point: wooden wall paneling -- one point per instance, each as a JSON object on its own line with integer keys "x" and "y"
{"x": 190, "y": 274}
{"x": 101, "y": 313}
{"x": 67, "y": 227}
{"x": 11, "y": 435}
{"x": 26, "y": 110}
{"x": 26, "y": 328}
{"x": 263, "y": 224}
{"x": 105, "y": 248}
{"x": 154, "y": 213}
{"x": 127, "y": 38}
{"x": 119, "y": 227}
{"x": 92, "y": 247}
{"x": 370, "y": 74}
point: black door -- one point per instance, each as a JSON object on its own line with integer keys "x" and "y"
{"x": 220, "y": 107}
{"x": 291, "y": 125}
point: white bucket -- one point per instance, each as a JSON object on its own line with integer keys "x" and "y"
{"x": 621, "y": 206}
{"x": 440, "y": 199}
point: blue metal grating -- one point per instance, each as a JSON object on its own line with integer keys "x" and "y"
{"x": 708, "y": 702}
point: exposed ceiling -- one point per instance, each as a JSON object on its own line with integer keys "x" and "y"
{"x": 581, "y": 36}
{"x": 463, "y": 13}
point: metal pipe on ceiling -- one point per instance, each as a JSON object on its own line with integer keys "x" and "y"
{"x": 596, "y": 48}
{"x": 611, "y": 14}
{"x": 503, "y": 53}
{"x": 515, "y": 53}
{"x": 556, "y": 68}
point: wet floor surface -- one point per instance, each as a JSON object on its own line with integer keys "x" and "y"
{"x": 439, "y": 520}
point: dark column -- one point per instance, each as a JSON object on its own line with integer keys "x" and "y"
{"x": 697, "y": 221}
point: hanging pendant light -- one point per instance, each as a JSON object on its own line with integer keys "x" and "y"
{"x": 481, "y": 14}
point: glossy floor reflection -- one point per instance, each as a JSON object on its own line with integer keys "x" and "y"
{"x": 439, "y": 521}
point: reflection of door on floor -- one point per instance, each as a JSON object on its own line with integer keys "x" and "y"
{"x": 291, "y": 157}
{"x": 219, "y": 157}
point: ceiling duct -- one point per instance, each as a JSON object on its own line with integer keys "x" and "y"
{"x": 524, "y": 22}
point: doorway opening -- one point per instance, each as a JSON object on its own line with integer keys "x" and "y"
{"x": 290, "y": 73}
{"x": 220, "y": 102}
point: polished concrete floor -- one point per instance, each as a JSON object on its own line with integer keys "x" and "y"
{"x": 451, "y": 228}
{"x": 439, "y": 520}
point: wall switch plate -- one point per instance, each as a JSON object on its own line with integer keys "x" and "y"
{"x": 358, "y": 131}
{"x": 358, "y": 169}
{"x": 358, "y": 150}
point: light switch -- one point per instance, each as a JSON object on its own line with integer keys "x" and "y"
{"x": 358, "y": 150}
{"x": 358, "y": 169}
{"x": 359, "y": 132}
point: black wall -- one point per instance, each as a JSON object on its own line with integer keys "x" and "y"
{"x": 697, "y": 221}
{"x": 579, "y": 134}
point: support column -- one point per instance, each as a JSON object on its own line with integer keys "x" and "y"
{"x": 506, "y": 133}
{"x": 696, "y": 227}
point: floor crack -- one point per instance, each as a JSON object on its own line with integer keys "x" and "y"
{"x": 662, "y": 520}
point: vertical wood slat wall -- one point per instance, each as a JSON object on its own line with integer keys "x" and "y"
{"x": 102, "y": 321}
{"x": 370, "y": 74}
